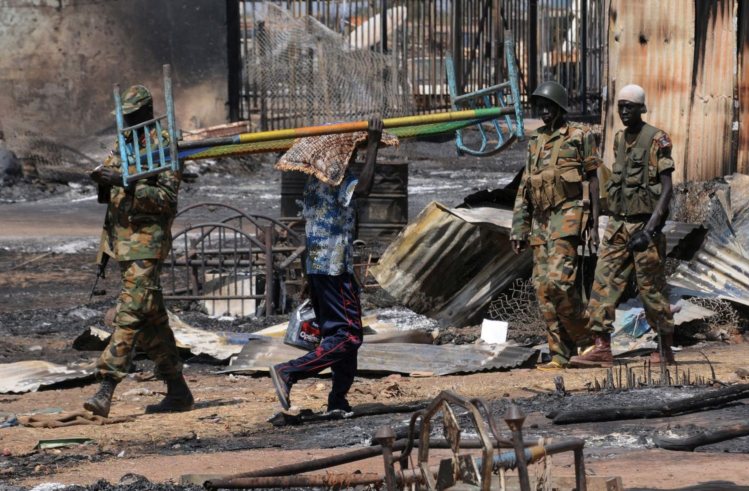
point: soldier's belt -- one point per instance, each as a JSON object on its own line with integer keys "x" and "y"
{"x": 643, "y": 217}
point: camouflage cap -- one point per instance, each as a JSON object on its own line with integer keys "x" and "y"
{"x": 135, "y": 97}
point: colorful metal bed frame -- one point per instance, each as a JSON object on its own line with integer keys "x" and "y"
{"x": 495, "y": 111}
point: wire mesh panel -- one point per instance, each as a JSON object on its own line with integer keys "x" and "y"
{"x": 387, "y": 57}
{"x": 301, "y": 72}
{"x": 314, "y": 61}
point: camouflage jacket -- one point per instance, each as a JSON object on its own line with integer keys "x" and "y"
{"x": 549, "y": 201}
{"x": 139, "y": 217}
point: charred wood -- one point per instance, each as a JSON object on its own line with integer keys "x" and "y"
{"x": 702, "y": 438}
{"x": 701, "y": 402}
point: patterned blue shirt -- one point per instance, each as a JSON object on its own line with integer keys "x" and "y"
{"x": 330, "y": 218}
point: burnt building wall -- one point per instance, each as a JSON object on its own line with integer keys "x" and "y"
{"x": 687, "y": 65}
{"x": 61, "y": 58}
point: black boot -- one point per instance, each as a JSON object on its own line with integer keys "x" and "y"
{"x": 100, "y": 402}
{"x": 178, "y": 397}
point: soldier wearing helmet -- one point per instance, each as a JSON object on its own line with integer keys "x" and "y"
{"x": 639, "y": 193}
{"x": 137, "y": 233}
{"x": 551, "y": 216}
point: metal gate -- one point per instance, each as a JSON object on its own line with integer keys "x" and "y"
{"x": 231, "y": 262}
{"x": 556, "y": 39}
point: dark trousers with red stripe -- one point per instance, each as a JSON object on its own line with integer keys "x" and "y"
{"x": 335, "y": 300}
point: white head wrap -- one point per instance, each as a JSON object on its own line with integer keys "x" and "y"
{"x": 633, "y": 93}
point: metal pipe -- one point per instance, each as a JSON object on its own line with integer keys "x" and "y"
{"x": 331, "y": 129}
{"x": 532, "y": 46}
{"x": 580, "y": 481}
{"x": 269, "y": 270}
{"x": 284, "y": 476}
{"x": 337, "y": 481}
{"x": 514, "y": 419}
{"x": 345, "y": 458}
{"x": 385, "y": 436}
{"x": 457, "y": 47}
{"x": 383, "y": 26}
{"x": 234, "y": 57}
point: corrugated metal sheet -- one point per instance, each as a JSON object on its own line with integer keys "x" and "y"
{"x": 686, "y": 63}
{"x": 720, "y": 268}
{"x": 448, "y": 269}
{"x": 742, "y": 159}
{"x": 406, "y": 358}
{"x": 220, "y": 346}
{"x": 711, "y": 105}
{"x": 449, "y": 264}
{"x": 30, "y": 375}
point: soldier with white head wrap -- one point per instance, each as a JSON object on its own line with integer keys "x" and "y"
{"x": 639, "y": 193}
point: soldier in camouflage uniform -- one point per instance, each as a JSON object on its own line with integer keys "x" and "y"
{"x": 639, "y": 193}
{"x": 551, "y": 214}
{"x": 137, "y": 233}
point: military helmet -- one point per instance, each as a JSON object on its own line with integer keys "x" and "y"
{"x": 554, "y": 92}
{"x": 134, "y": 98}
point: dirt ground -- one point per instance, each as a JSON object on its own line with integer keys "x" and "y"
{"x": 228, "y": 431}
{"x": 45, "y": 279}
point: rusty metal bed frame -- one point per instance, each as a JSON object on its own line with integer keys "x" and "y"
{"x": 233, "y": 262}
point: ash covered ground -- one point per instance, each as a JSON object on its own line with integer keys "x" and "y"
{"x": 50, "y": 233}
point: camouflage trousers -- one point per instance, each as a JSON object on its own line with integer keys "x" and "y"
{"x": 141, "y": 322}
{"x": 613, "y": 270}
{"x": 554, "y": 273}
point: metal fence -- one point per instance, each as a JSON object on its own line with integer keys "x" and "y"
{"x": 562, "y": 40}
{"x": 556, "y": 39}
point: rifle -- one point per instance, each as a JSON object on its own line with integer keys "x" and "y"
{"x": 585, "y": 263}
{"x": 102, "y": 258}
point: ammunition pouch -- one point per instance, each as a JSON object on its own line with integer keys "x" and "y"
{"x": 554, "y": 184}
{"x": 569, "y": 183}
{"x": 542, "y": 189}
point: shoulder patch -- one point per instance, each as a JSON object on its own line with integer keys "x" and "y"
{"x": 663, "y": 141}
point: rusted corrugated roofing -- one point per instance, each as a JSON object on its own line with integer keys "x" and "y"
{"x": 716, "y": 270}
{"x": 720, "y": 267}
{"x": 448, "y": 269}
{"x": 449, "y": 264}
{"x": 686, "y": 65}
{"x": 742, "y": 160}
{"x": 406, "y": 358}
{"x": 711, "y": 104}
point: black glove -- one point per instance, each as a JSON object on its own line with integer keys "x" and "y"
{"x": 106, "y": 176}
{"x": 639, "y": 241}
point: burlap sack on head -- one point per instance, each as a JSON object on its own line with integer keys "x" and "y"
{"x": 326, "y": 157}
